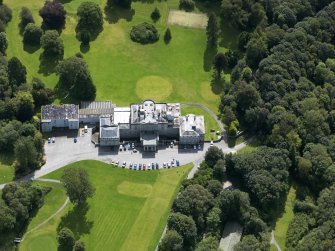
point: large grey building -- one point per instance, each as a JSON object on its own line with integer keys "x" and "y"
{"x": 147, "y": 122}
{"x": 59, "y": 116}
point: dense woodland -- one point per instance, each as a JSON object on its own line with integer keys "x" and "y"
{"x": 282, "y": 90}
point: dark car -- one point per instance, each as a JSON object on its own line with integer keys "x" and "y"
{"x": 177, "y": 163}
{"x": 157, "y": 165}
{"x": 75, "y": 140}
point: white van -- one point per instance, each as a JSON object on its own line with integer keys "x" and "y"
{"x": 85, "y": 128}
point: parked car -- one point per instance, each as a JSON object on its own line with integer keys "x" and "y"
{"x": 133, "y": 145}
{"x": 112, "y": 163}
{"x": 135, "y": 166}
{"x": 211, "y": 143}
{"x": 149, "y": 168}
{"x": 49, "y": 140}
{"x": 172, "y": 165}
{"x": 164, "y": 165}
{"x": 53, "y": 140}
{"x": 177, "y": 163}
{"x": 199, "y": 147}
{"x": 117, "y": 163}
{"x": 157, "y": 165}
{"x": 144, "y": 167}
{"x": 75, "y": 140}
{"x": 195, "y": 147}
{"x": 168, "y": 165}
{"x": 121, "y": 147}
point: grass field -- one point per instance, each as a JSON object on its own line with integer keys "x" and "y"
{"x": 7, "y": 172}
{"x": 44, "y": 238}
{"x": 210, "y": 123}
{"x": 128, "y": 211}
{"x": 120, "y": 67}
{"x": 283, "y": 222}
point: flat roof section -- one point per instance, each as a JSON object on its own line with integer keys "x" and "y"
{"x": 66, "y": 111}
{"x": 96, "y": 108}
{"x": 122, "y": 115}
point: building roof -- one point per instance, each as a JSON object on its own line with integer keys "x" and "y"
{"x": 149, "y": 112}
{"x": 149, "y": 138}
{"x": 66, "y": 111}
{"x": 96, "y": 108}
{"x": 192, "y": 125}
{"x": 121, "y": 115}
{"x": 108, "y": 129}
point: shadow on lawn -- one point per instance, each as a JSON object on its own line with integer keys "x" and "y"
{"x": 48, "y": 64}
{"x": 76, "y": 220}
{"x": 114, "y": 14}
{"x": 31, "y": 48}
{"x": 209, "y": 55}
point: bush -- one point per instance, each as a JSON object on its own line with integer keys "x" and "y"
{"x": 144, "y": 33}
{"x": 187, "y": 5}
{"x": 53, "y": 14}
{"x": 155, "y": 15}
{"x": 126, "y": 4}
{"x": 52, "y": 44}
{"x": 32, "y": 34}
{"x": 65, "y": 239}
{"x": 26, "y": 17}
{"x": 167, "y": 36}
{"x": 3, "y": 43}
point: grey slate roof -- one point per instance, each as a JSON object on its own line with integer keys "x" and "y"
{"x": 66, "y": 111}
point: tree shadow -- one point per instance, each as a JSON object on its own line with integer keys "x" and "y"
{"x": 48, "y": 64}
{"x": 77, "y": 221}
{"x": 115, "y": 13}
{"x": 84, "y": 48}
{"x": 149, "y": 1}
{"x": 208, "y": 6}
{"x": 31, "y": 48}
{"x": 64, "y": 1}
{"x": 217, "y": 85}
{"x": 229, "y": 36}
{"x": 209, "y": 54}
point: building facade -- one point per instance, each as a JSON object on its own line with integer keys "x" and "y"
{"x": 148, "y": 122}
{"x": 59, "y": 116}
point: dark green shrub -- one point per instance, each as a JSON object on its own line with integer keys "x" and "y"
{"x": 155, "y": 14}
{"x": 187, "y": 5}
{"x": 144, "y": 33}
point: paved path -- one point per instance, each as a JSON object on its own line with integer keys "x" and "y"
{"x": 273, "y": 240}
{"x": 51, "y": 216}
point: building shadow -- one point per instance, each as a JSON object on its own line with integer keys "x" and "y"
{"x": 77, "y": 221}
{"x": 113, "y": 14}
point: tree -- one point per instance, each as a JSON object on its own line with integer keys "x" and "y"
{"x": 32, "y": 34}
{"x": 24, "y": 106}
{"x": 144, "y": 33}
{"x": 75, "y": 78}
{"x": 219, "y": 170}
{"x": 172, "y": 241}
{"x": 16, "y": 72}
{"x": 187, "y": 5}
{"x": 256, "y": 51}
{"x": 77, "y": 184}
{"x": 194, "y": 201}
{"x": 208, "y": 244}
{"x": 90, "y": 20}
{"x": 126, "y": 4}
{"x": 3, "y": 43}
{"x": 213, "y": 220}
{"x": 7, "y": 219}
{"x": 65, "y": 239}
{"x": 41, "y": 94}
{"x": 185, "y": 226}
{"x": 26, "y": 154}
{"x": 52, "y": 44}
{"x": 212, "y": 31}
{"x": 220, "y": 61}
{"x": 155, "y": 14}
{"x": 26, "y": 17}
{"x": 214, "y": 187}
{"x": 79, "y": 246}
{"x": 167, "y": 36}
{"x": 53, "y": 14}
{"x": 250, "y": 242}
{"x": 212, "y": 155}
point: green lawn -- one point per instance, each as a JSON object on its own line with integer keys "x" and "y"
{"x": 210, "y": 122}
{"x": 7, "y": 171}
{"x": 249, "y": 148}
{"x": 283, "y": 222}
{"x": 44, "y": 238}
{"x": 120, "y": 67}
{"x": 128, "y": 211}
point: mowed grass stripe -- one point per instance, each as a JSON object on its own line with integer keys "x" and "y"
{"x": 127, "y": 221}
{"x": 163, "y": 190}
